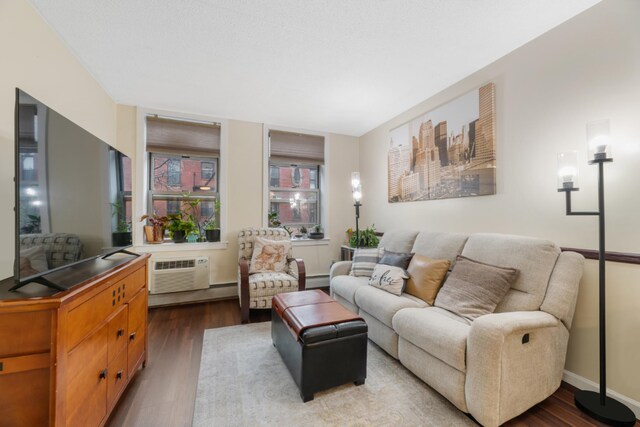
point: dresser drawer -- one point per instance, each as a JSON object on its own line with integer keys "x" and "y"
{"x": 87, "y": 316}
{"x": 118, "y": 332}
{"x": 25, "y": 333}
{"x": 137, "y": 329}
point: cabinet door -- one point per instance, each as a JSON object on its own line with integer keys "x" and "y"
{"x": 118, "y": 332}
{"x": 117, "y": 377}
{"x": 86, "y": 391}
{"x": 137, "y": 329}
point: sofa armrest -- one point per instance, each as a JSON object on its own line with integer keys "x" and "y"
{"x": 298, "y": 270}
{"x": 514, "y": 361}
{"x": 340, "y": 268}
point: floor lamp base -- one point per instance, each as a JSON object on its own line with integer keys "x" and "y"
{"x": 613, "y": 412}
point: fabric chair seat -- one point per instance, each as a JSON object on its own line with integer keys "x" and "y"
{"x": 436, "y": 331}
{"x": 264, "y": 286}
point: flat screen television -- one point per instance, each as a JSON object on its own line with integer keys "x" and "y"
{"x": 73, "y": 194}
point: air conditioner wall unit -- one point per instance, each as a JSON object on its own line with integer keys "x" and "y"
{"x": 179, "y": 274}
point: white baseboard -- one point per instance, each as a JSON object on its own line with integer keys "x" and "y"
{"x": 217, "y": 292}
{"x": 585, "y": 384}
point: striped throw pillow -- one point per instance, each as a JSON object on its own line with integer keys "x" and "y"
{"x": 364, "y": 261}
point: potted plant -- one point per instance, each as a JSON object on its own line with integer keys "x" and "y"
{"x": 368, "y": 238}
{"x": 180, "y": 227}
{"x": 154, "y": 232}
{"x": 302, "y": 232}
{"x": 316, "y": 233}
{"x": 211, "y": 227}
{"x": 122, "y": 235}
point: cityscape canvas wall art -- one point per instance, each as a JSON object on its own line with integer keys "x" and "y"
{"x": 447, "y": 152}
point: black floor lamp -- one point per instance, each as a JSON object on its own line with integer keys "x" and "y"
{"x": 596, "y": 404}
{"x": 356, "y": 192}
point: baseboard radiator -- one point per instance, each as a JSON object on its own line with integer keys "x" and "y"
{"x": 179, "y": 274}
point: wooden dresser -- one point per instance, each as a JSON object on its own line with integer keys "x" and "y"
{"x": 66, "y": 357}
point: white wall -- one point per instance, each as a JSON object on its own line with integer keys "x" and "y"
{"x": 546, "y": 91}
{"x": 37, "y": 61}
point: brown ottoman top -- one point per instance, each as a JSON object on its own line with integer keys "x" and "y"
{"x": 307, "y": 309}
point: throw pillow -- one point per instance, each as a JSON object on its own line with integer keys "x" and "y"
{"x": 474, "y": 288}
{"x": 397, "y": 259}
{"x": 389, "y": 278}
{"x": 364, "y": 260}
{"x": 269, "y": 255}
{"x": 426, "y": 277}
{"x": 37, "y": 257}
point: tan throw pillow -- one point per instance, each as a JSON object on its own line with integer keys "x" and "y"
{"x": 426, "y": 277}
{"x": 389, "y": 278}
{"x": 269, "y": 255}
{"x": 474, "y": 289}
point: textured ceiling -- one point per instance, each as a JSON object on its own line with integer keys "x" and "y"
{"x": 341, "y": 66}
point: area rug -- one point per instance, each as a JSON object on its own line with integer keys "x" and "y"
{"x": 243, "y": 382}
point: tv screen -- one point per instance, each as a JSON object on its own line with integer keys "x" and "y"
{"x": 73, "y": 193}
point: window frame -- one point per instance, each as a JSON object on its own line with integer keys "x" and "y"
{"x": 317, "y": 191}
{"x": 323, "y": 181}
{"x": 141, "y": 204}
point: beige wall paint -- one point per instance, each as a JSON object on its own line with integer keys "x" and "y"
{"x": 546, "y": 91}
{"x": 37, "y": 61}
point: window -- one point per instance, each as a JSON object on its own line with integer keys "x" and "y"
{"x": 173, "y": 173}
{"x": 183, "y": 167}
{"x": 295, "y": 164}
{"x": 206, "y": 170}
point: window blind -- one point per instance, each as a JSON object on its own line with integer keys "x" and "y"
{"x": 176, "y": 136}
{"x": 296, "y": 148}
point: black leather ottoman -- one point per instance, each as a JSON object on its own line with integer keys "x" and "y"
{"x": 320, "y": 357}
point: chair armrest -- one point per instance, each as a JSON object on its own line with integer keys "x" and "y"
{"x": 340, "y": 268}
{"x": 243, "y": 267}
{"x": 514, "y": 361}
{"x": 298, "y": 270}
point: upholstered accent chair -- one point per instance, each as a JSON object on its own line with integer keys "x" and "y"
{"x": 60, "y": 248}
{"x": 256, "y": 290}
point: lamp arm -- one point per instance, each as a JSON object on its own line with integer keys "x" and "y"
{"x": 568, "y": 203}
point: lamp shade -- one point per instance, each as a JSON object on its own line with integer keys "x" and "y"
{"x": 356, "y": 187}
{"x": 568, "y": 170}
{"x": 598, "y": 140}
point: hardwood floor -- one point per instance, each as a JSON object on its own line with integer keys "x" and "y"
{"x": 163, "y": 394}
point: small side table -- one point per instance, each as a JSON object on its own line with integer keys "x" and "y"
{"x": 346, "y": 253}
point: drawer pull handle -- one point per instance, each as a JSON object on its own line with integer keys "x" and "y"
{"x": 118, "y": 375}
{"x": 132, "y": 336}
{"x": 120, "y": 333}
{"x": 103, "y": 374}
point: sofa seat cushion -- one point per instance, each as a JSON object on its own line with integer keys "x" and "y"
{"x": 436, "y": 331}
{"x": 346, "y": 286}
{"x": 383, "y": 305}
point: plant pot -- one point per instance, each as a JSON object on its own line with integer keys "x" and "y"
{"x": 121, "y": 238}
{"x": 154, "y": 233}
{"x": 179, "y": 236}
{"x": 212, "y": 235}
{"x": 316, "y": 236}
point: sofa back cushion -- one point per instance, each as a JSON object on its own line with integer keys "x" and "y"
{"x": 438, "y": 245}
{"x": 398, "y": 240}
{"x": 533, "y": 258}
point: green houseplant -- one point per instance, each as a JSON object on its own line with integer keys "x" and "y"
{"x": 211, "y": 227}
{"x": 368, "y": 238}
{"x": 317, "y": 232}
{"x": 122, "y": 234}
{"x": 180, "y": 226}
{"x": 154, "y": 231}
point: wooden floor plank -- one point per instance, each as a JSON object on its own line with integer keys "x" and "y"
{"x": 163, "y": 394}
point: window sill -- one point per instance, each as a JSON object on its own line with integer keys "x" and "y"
{"x": 174, "y": 247}
{"x": 310, "y": 242}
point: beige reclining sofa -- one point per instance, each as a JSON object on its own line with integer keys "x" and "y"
{"x": 498, "y": 365}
